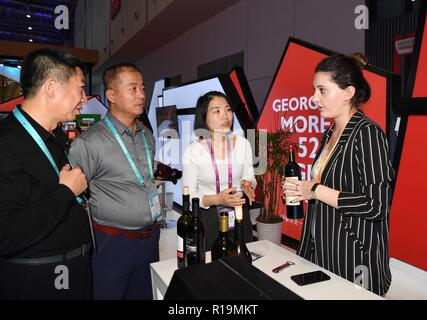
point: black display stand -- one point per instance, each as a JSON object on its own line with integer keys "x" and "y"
{"x": 231, "y": 278}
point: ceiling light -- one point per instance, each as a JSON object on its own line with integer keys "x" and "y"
{"x": 31, "y": 40}
{"x": 29, "y": 28}
{"x": 28, "y": 16}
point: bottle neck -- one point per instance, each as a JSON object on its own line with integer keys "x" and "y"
{"x": 195, "y": 207}
{"x": 291, "y": 156}
{"x": 238, "y": 230}
{"x": 186, "y": 204}
{"x": 223, "y": 224}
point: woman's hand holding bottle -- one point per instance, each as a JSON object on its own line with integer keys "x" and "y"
{"x": 230, "y": 198}
{"x": 248, "y": 189}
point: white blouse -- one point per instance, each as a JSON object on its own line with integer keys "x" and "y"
{"x": 199, "y": 173}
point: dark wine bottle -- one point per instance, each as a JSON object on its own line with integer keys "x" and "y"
{"x": 242, "y": 249}
{"x": 224, "y": 245}
{"x": 195, "y": 242}
{"x": 182, "y": 226}
{"x": 293, "y": 171}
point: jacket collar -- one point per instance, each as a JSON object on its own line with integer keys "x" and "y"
{"x": 351, "y": 124}
{"x": 43, "y": 133}
{"x": 122, "y": 128}
{"x": 349, "y": 128}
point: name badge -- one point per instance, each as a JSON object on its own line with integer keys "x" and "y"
{"x": 154, "y": 202}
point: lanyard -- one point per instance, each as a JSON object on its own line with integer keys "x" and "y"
{"x": 33, "y": 133}
{"x": 127, "y": 154}
{"x": 215, "y": 166}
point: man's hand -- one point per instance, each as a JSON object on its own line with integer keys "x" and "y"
{"x": 74, "y": 179}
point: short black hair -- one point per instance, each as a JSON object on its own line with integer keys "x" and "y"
{"x": 42, "y": 64}
{"x": 110, "y": 75}
{"x": 202, "y": 108}
{"x": 346, "y": 71}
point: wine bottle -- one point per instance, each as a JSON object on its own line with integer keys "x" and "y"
{"x": 195, "y": 245}
{"x": 182, "y": 226}
{"x": 223, "y": 246}
{"x": 242, "y": 249}
{"x": 293, "y": 171}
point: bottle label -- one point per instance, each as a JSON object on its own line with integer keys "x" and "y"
{"x": 291, "y": 198}
{"x": 191, "y": 248}
{"x": 180, "y": 248}
{"x": 231, "y": 217}
{"x": 191, "y": 245}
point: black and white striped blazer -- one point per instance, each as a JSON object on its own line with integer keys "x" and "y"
{"x": 352, "y": 241}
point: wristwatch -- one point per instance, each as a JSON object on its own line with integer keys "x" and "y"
{"x": 312, "y": 192}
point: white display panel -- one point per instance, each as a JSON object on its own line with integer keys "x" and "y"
{"x": 157, "y": 92}
{"x": 170, "y": 151}
{"x": 94, "y": 106}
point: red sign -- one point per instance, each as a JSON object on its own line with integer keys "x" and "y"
{"x": 408, "y": 219}
{"x": 290, "y": 106}
{"x": 376, "y": 107}
{"x": 10, "y": 104}
{"x": 233, "y": 77}
{"x": 115, "y": 8}
{"x": 420, "y": 86}
{"x": 408, "y": 223}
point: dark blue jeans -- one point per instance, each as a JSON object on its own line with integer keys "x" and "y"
{"x": 121, "y": 267}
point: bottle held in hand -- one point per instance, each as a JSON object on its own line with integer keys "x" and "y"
{"x": 294, "y": 210}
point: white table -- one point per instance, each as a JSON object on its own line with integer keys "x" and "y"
{"x": 336, "y": 288}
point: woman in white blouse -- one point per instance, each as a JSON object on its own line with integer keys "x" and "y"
{"x": 218, "y": 166}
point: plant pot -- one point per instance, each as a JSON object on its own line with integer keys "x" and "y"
{"x": 270, "y": 231}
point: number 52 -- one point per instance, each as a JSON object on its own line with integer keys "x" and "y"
{"x": 302, "y": 150}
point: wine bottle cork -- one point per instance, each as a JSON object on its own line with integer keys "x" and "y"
{"x": 186, "y": 191}
{"x": 238, "y": 212}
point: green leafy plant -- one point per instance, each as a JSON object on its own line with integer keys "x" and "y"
{"x": 276, "y": 151}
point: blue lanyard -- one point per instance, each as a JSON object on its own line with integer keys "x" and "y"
{"x": 33, "y": 133}
{"x": 127, "y": 154}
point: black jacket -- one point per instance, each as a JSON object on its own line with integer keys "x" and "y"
{"x": 38, "y": 216}
{"x": 352, "y": 241}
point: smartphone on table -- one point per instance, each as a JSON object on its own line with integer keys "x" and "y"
{"x": 310, "y": 277}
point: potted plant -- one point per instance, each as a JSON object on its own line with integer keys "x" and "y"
{"x": 276, "y": 153}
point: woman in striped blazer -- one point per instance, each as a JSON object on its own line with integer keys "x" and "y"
{"x": 346, "y": 229}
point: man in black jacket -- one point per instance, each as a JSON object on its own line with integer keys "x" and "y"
{"x": 44, "y": 228}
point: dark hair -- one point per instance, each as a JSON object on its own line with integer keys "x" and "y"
{"x": 202, "y": 108}
{"x": 111, "y": 74}
{"x": 42, "y": 64}
{"x": 346, "y": 71}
